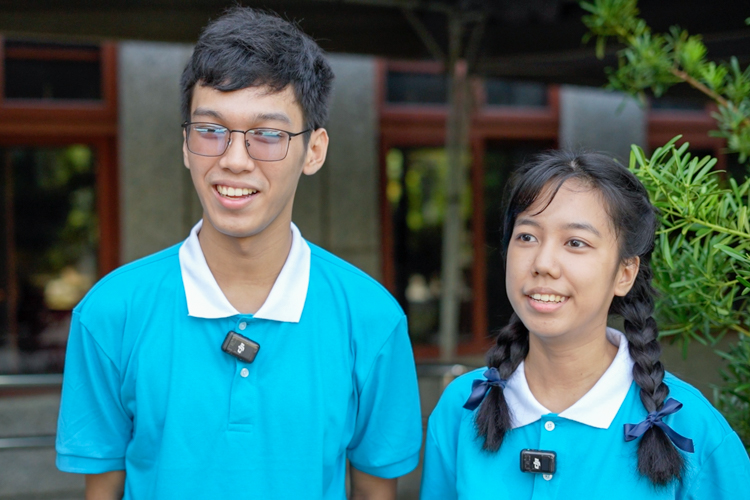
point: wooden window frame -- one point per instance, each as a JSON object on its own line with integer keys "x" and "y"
{"x": 423, "y": 125}
{"x": 37, "y": 122}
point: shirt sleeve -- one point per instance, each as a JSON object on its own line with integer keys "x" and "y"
{"x": 388, "y": 429}
{"x": 724, "y": 475}
{"x": 438, "y": 471}
{"x": 441, "y": 446}
{"x": 93, "y": 427}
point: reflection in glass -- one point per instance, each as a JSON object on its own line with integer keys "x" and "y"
{"x": 48, "y": 254}
{"x": 416, "y": 194}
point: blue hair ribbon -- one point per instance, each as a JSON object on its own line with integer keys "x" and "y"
{"x": 633, "y": 431}
{"x": 479, "y": 388}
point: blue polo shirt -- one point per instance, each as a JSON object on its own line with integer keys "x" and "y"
{"x": 593, "y": 459}
{"x": 147, "y": 388}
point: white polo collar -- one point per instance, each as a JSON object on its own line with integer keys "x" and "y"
{"x": 597, "y": 408}
{"x": 206, "y": 300}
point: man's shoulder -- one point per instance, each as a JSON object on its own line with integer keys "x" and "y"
{"x": 352, "y": 281}
{"x": 133, "y": 279}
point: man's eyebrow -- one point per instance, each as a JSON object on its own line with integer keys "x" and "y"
{"x": 275, "y": 117}
{"x": 207, "y": 112}
{"x": 260, "y": 117}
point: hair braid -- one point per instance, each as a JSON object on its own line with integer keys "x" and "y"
{"x": 658, "y": 459}
{"x": 493, "y": 417}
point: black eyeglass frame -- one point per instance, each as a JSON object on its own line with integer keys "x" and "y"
{"x": 290, "y": 136}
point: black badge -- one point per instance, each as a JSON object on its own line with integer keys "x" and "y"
{"x": 240, "y": 347}
{"x": 540, "y": 461}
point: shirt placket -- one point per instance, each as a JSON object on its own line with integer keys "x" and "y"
{"x": 551, "y": 438}
{"x": 243, "y": 400}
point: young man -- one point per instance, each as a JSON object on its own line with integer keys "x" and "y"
{"x": 164, "y": 393}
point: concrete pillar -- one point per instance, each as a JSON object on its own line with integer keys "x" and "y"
{"x": 338, "y": 207}
{"x": 597, "y": 119}
{"x": 158, "y": 203}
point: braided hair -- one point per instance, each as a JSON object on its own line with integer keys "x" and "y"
{"x": 634, "y": 221}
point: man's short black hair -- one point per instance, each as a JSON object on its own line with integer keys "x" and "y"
{"x": 247, "y": 48}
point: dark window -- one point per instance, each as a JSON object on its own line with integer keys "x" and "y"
{"x": 417, "y": 198}
{"x": 514, "y": 93}
{"x": 417, "y": 88}
{"x": 679, "y": 103}
{"x": 49, "y": 243}
{"x": 52, "y": 71}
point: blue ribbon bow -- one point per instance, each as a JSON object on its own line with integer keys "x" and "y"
{"x": 671, "y": 405}
{"x": 479, "y": 388}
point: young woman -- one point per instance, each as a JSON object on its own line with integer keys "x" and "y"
{"x": 567, "y": 407}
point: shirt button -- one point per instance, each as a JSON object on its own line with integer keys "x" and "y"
{"x": 550, "y": 426}
{"x": 243, "y": 325}
{"x": 547, "y": 477}
{"x": 244, "y": 373}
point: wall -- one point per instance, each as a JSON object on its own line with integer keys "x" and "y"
{"x": 593, "y": 118}
{"x": 158, "y": 204}
{"x": 338, "y": 207}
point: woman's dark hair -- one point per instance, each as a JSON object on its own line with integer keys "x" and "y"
{"x": 634, "y": 221}
{"x": 248, "y": 48}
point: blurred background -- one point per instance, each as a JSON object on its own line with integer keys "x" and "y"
{"x": 435, "y": 103}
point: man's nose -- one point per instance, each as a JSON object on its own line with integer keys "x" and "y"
{"x": 236, "y": 157}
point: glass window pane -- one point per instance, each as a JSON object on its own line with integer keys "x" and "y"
{"x": 416, "y": 194}
{"x": 417, "y": 88}
{"x": 515, "y": 93}
{"x": 52, "y": 71}
{"x": 49, "y": 252}
{"x": 679, "y": 103}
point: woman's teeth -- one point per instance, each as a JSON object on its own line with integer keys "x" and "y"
{"x": 234, "y": 192}
{"x": 543, "y": 297}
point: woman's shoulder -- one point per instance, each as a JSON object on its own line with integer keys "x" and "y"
{"x": 450, "y": 407}
{"x": 698, "y": 420}
{"x": 695, "y": 406}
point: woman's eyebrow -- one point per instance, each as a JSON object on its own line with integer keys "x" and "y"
{"x": 524, "y": 221}
{"x": 585, "y": 226}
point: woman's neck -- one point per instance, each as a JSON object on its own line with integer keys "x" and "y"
{"x": 560, "y": 373}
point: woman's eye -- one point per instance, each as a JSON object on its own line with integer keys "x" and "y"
{"x": 525, "y": 237}
{"x": 577, "y": 244}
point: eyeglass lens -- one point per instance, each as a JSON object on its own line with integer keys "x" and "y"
{"x": 208, "y": 139}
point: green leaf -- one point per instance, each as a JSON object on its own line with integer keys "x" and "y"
{"x": 666, "y": 251}
{"x": 732, "y": 253}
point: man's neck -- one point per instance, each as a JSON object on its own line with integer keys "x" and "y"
{"x": 246, "y": 268}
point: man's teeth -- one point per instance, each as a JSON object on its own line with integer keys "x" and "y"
{"x": 543, "y": 297}
{"x": 230, "y": 191}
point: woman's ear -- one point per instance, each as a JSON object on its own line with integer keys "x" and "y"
{"x": 626, "y": 275}
{"x": 317, "y": 148}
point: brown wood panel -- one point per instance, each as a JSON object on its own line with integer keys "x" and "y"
{"x": 108, "y": 204}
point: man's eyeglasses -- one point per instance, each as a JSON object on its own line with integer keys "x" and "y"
{"x": 263, "y": 144}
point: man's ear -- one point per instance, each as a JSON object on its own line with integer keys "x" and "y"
{"x": 185, "y": 149}
{"x": 626, "y": 275}
{"x": 317, "y": 149}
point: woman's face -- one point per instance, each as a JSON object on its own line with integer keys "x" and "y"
{"x": 563, "y": 265}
